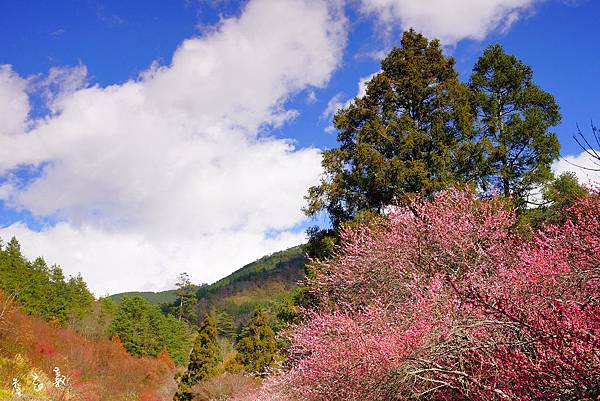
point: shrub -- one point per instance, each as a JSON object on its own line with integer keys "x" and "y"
{"x": 226, "y": 386}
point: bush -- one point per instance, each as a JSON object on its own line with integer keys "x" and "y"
{"x": 226, "y": 387}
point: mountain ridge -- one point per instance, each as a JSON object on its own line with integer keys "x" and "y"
{"x": 266, "y": 279}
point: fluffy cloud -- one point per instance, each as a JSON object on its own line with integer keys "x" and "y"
{"x": 14, "y": 103}
{"x": 174, "y": 171}
{"x": 586, "y": 168}
{"x": 449, "y": 20}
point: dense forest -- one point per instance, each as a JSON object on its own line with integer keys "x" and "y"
{"x": 457, "y": 267}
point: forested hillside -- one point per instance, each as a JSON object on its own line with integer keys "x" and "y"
{"x": 52, "y": 328}
{"x": 264, "y": 282}
{"x": 157, "y": 298}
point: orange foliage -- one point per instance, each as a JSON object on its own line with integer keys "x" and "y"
{"x": 97, "y": 370}
{"x": 165, "y": 358}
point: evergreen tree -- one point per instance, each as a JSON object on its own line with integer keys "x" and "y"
{"x": 107, "y": 309}
{"x": 257, "y": 348}
{"x": 144, "y": 330}
{"x": 558, "y": 196}
{"x": 514, "y": 119}
{"x": 225, "y": 325}
{"x": 79, "y": 297}
{"x": 204, "y": 359}
{"x": 40, "y": 290}
{"x": 411, "y": 132}
{"x": 136, "y": 325}
{"x": 186, "y": 296}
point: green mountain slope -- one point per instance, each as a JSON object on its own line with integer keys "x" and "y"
{"x": 262, "y": 282}
{"x": 158, "y": 298}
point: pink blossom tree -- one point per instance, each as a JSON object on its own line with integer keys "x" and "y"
{"x": 443, "y": 300}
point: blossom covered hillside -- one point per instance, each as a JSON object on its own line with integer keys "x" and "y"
{"x": 447, "y": 300}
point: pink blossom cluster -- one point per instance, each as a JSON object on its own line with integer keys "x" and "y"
{"x": 443, "y": 300}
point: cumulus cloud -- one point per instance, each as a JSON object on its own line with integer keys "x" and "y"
{"x": 14, "y": 103}
{"x": 175, "y": 171}
{"x": 585, "y": 167}
{"x": 449, "y": 20}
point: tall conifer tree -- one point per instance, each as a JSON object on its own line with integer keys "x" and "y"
{"x": 514, "y": 117}
{"x": 204, "y": 359}
{"x": 410, "y": 132}
{"x": 257, "y": 349}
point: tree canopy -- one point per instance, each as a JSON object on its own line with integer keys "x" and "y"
{"x": 514, "y": 117}
{"x": 257, "y": 348}
{"x": 411, "y": 132}
{"x": 42, "y": 290}
{"x": 145, "y": 331}
{"x": 418, "y": 130}
{"x": 204, "y": 359}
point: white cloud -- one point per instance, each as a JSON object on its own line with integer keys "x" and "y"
{"x": 362, "y": 84}
{"x": 449, "y": 20}
{"x": 311, "y": 97}
{"x": 60, "y": 83}
{"x": 580, "y": 165}
{"x": 14, "y": 103}
{"x": 334, "y": 104}
{"x": 173, "y": 171}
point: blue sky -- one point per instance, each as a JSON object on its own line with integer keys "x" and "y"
{"x": 162, "y": 192}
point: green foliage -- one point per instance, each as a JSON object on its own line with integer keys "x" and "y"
{"x": 186, "y": 298}
{"x": 41, "y": 290}
{"x": 261, "y": 283}
{"x": 225, "y": 325}
{"x": 514, "y": 118}
{"x": 321, "y": 243}
{"x": 410, "y": 133}
{"x": 144, "y": 330}
{"x": 257, "y": 270}
{"x": 557, "y": 196}
{"x": 204, "y": 359}
{"x": 157, "y": 298}
{"x": 418, "y": 129}
{"x": 257, "y": 348}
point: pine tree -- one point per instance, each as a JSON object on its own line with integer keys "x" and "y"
{"x": 204, "y": 359}
{"x": 514, "y": 119}
{"x": 257, "y": 349}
